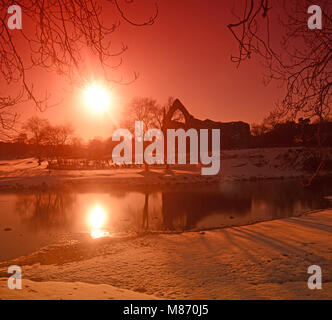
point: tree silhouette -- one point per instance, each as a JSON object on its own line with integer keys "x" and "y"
{"x": 56, "y": 139}
{"x": 296, "y": 56}
{"x": 301, "y": 61}
{"x": 143, "y": 109}
{"x": 52, "y": 38}
{"x": 37, "y": 132}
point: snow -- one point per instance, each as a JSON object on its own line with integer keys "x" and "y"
{"x": 267, "y": 260}
{"x": 50, "y": 290}
{"x": 246, "y": 164}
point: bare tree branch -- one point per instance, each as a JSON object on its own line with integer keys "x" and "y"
{"x": 301, "y": 61}
{"x": 54, "y": 35}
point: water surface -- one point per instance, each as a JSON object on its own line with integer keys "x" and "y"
{"x": 30, "y": 221}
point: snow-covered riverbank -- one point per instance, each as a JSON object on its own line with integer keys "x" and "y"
{"x": 267, "y": 260}
{"x": 248, "y": 164}
{"x": 52, "y": 290}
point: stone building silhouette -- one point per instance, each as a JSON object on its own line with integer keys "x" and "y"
{"x": 233, "y": 135}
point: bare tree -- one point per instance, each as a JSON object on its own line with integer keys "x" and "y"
{"x": 150, "y": 112}
{"x": 21, "y": 138}
{"x": 36, "y": 130}
{"x": 56, "y": 137}
{"x": 143, "y": 109}
{"x": 301, "y": 60}
{"x": 258, "y": 129}
{"x": 146, "y": 110}
{"x": 96, "y": 148}
{"x": 53, "y": 36}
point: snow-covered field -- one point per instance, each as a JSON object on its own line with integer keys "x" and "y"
{"x": 235, "y": 165}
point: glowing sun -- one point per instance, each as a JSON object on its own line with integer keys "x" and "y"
{"x": 97, "y": 98}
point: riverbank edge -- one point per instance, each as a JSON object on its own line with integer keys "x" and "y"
{"x": 152, "y": 179}
{"x": 307, "y": 239}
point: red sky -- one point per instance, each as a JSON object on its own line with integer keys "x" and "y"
{"x": 185, "y": 54}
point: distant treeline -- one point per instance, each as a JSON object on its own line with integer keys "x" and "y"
{"x": 291, "y": 134}
{"x": 287, "y": 134}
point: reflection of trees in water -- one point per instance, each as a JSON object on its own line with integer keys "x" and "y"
{"x": 183, "y": 210}
{"x": 151, "y": 212}
{"x": 145, "y": 220}
{"x": 120, "y": 193}
{"x": 47, "y": 210}
{"x": 272, "y": 199}
{"x": 283, "y": 198}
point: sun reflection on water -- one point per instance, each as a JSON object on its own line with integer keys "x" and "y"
{"x": 97, "y": 218}
{"x": 98, "y": 233}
